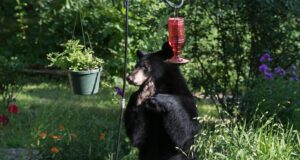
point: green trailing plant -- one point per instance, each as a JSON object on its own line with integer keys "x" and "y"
{"x": 75, "y": 57}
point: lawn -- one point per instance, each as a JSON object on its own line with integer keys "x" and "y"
{"x": 51, "y": 108}
{"x": 60, "y": 125}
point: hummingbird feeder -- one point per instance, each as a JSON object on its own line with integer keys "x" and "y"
{"x": 176, "y": 36}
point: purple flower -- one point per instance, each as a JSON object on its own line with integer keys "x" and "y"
{"x": 263, "y": 68}
{"x": 294, "y": 78}
{"x": 119, "y": 91}
{"x": 268, "y": 75}
{"x": 293, "y": 68}
{"x": 293, "y": 73}
{"x": 265, "y": 58}
{"x": 279, "y": 71}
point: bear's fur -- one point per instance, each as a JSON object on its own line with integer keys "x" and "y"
{"x": 160, "y": 115}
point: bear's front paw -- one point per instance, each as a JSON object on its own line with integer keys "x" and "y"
{"x": 154, "y": 104}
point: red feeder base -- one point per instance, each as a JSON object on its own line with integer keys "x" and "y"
{"x": 177, "y": 60}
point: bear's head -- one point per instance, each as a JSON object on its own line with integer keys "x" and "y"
{"x": 150, "y": 65}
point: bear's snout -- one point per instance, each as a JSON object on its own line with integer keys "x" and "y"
{"x": 137, "y": 77}
{"x": 129, "y": 79}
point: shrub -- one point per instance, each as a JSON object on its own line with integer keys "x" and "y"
{"x": 225, "y": 40}
{"x": 10, "y": 78}
{"x": 279, "y": 97}
{"x": 9, "y": 86}
{"x": 275, "y": 92}
{"x": 9, "y": 71}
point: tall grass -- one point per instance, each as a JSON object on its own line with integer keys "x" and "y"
{"x": 254, "y": 140}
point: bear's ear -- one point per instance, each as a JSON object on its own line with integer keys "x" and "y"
{"x": 140, "y": 54}
{"x": 166, "y": 51}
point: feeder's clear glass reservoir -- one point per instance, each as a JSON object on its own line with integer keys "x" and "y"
{"x": 176, "y": 39}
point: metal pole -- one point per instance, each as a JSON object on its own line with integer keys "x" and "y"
{"x": 124, "y": 80}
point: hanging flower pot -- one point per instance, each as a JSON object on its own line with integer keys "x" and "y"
{"x": 85, "y": 82}
{"x": 84, "y": 68}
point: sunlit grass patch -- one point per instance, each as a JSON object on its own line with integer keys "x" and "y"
{"x": 45, "y": 107}
{"x": 236, "y": 141}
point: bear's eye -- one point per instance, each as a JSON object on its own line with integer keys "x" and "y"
{"x": 145, "y": 69}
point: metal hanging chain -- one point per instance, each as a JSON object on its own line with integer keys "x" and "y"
{"x": 82, "y": 30}
{"x": 75, "y": 23}
{"x": 174, "y": 5}
{"x": 124, "y": 80}
{"x": 83, "y": 33}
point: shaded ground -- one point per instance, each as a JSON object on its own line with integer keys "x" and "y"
{"x": 19, "y": 154}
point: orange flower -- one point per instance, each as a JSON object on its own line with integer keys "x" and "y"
{"x": 56, "y": 137}
{"x": 54, "y": 150}
{"x": 61, "y": 127}
{"x": 73, "y": 136}
{"x": 102, "y": 136}
{"x": 42, "y": 135}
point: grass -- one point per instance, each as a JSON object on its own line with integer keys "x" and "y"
{"x": 45, "y": 107}
{"x": 232, "y": 141}
{"x": 84, "y": 127}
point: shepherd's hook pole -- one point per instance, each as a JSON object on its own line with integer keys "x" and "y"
{"x": 124, "y": 80}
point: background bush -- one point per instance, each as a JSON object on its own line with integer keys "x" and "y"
{"x": 278, "y": 98}
{"x": 10, "y": 79}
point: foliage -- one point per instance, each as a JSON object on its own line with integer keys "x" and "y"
{"x": 278, "y": 97}
{"x": 57, "y": 144}
{"x": 10, "y": 86}
{"x": 236, "y": 141}
{"x": 9, "y": 68}
{"x": 50, "y": 23}
{"x": 10, "y": 92}
{"x": 226, "y": 39}
{"x": 10, "y": 79}
{"x": 75, "y": 57}
{"x": 20, "y": 15}
{"x": 275, "y": 93}
{"x": 132, "y": 155}
{"x": 11, "y": 109}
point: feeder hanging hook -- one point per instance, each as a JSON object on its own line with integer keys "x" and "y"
{"x": 174, "y": 5}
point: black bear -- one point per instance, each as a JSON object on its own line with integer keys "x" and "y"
{"x": 159, "y": 118}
